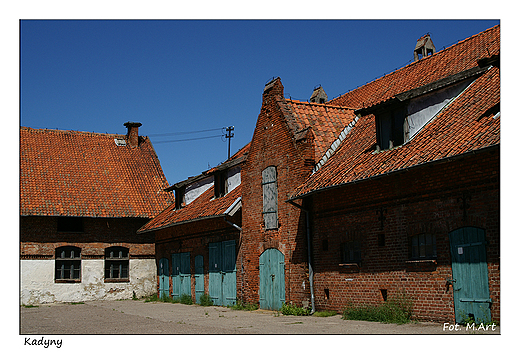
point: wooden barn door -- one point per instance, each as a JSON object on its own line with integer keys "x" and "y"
{"x": 272, "y": 279}
{"x": 181, "y": 275}
{"x": 199, "y": 277}
{"x": 222, "y": 273}
{"x": 470, "y": 275}
{"x": 164, "y": 278}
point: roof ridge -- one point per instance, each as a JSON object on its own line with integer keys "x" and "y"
{"x": 30, "y": 129}
{"x": 421, "y": 61}
{"x": 319, "y": 104}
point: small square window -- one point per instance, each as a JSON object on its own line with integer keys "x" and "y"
{"x": 350, "y": 253}
{"x": 423, "y": 246}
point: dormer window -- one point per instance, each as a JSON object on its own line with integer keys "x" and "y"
{"x": 221, "y": 184}
{"x": 179, "y": 197}
{"x": 391, "y": 129}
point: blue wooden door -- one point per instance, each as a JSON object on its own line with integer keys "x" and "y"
{"x": 229, "y": 277}
{"x": 222, "y": 273}
{"x": 272, "y": 279}
{"x": 181, "y": 281}
{"x": 215, "y": 273}
{"x": 470, "y": 275}
{"x": 199, "y": 277}
{"x": 164, "y": 278}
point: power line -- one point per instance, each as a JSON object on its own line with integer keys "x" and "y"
{"x": 184, "y": 132}
{"x": 190, "y": 139}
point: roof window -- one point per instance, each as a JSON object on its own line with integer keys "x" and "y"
{"x": 120, "y": 142}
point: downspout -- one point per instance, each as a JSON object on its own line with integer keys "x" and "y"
{"x": 232, "y": 224}
{"x": 309, "y": 254}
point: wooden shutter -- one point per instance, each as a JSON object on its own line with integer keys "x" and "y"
{"x": 270, "y": 197}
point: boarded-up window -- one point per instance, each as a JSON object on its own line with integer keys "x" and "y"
{"x": 270, "y": 195}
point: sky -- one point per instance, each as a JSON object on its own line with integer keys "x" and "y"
{"x": 180, "y": 77}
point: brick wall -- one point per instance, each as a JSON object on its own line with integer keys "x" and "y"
{"x": 194, "y": 237}
{"x": 428, "y": 199}
{"x": 274, "y": 145}
{"x": 39, "y": 237}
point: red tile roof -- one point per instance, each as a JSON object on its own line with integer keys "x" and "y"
{"x": 459, "y": 57}
{"x": 71, "y": 173}
{"x": 326, "y": 121}
{"x": 468, "y": 124}
{"x": 203, "y": 207}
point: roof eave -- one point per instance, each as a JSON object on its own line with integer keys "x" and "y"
{"x": 437, "y": 161}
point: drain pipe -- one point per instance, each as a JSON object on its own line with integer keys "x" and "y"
{"x": 309, "y": 254}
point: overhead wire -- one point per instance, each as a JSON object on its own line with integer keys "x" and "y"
{"x": 186, "y": 133}
{"x": 190, "y": 139}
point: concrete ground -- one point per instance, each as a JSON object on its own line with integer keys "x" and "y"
{"x": 138, "y": 318}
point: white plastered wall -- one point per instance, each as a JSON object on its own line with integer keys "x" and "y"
{"x": 37, "y": 284}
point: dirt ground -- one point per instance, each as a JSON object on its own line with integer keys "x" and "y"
{"x": 135, "y": 317}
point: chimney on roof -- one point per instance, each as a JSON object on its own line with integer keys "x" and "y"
{"x": 132, "y": 134}
{"x": 319, "y": 95}
{"x": 423, "y": 48}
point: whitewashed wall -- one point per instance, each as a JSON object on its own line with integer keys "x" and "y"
{"x": 38, "y": 287}
{"x": 234, "y": 178}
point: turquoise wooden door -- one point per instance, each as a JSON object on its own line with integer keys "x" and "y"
{"x": 229, "y": 277}
{"x": 272, "y": 279}
{"x": 222, "y": 273}
{"x": 470, "y": 275}
{"x": 164, "y": 278}
{"x": 181, "y": 280}
{"x": 199, "y": 277}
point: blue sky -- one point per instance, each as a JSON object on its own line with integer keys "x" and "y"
{"x": 189, "y": 75}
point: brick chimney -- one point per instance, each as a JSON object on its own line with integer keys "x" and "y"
{"x": 132, "y": 135}
{"x": 423, "y": 48}
{"x": 319, "y": 95}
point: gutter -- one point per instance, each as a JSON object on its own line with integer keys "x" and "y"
{"x": 311, "y": 272}
{"x": 235, "y": 206}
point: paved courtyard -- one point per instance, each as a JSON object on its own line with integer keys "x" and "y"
{"x": 139, "y": 317}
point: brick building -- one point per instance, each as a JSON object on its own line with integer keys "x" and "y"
{"x": 408, "y": 205}
{"x": 83, "y": 196}
{"x": 196, "y": 238}
{"x": 389, "y": 190}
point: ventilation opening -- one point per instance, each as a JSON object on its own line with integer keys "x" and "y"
{"x": 384, "y": 294}
{"x": 327, "y": 294}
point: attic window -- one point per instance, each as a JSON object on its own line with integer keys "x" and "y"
{"x": 120, "y": 142}
{"x": 391, "y": 128}
{"x": 180, "y": 198}
{"x": 70, "y": 224}
{"x": 221, "y": 184}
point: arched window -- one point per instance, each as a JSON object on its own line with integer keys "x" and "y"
{"x": 116, "y": 263}
{"x": 270, "y": 198}
{"x": 68, "y": 264}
